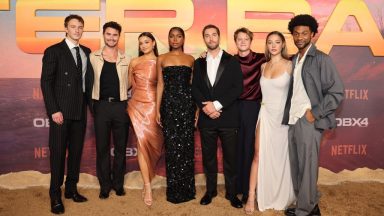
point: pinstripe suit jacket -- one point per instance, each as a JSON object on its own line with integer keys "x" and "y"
{"x": 61, "y": 83}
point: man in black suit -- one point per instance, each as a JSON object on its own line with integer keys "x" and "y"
{"x": 63, "y": 85}
{"x": 217, "y": 84}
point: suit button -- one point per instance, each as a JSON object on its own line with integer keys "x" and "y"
{"x": 66, "y": 73}
{"x": 69, "y": 85}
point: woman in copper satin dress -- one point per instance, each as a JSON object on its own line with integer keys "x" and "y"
{"x": 142, "y": 111}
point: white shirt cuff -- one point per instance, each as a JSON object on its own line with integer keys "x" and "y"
{"x": 217, "y": 105}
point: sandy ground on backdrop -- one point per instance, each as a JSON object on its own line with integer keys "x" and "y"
{"x": 26, "y": 193}
{"x": 345, "y": 199}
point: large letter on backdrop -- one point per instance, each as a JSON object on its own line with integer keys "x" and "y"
{"x": 150, "y": 16}
{"x": 368, "y": 36}
{"x": 27, "y": 24}
{"x": 4, "y": 4}
{"x": 273, "y": 13}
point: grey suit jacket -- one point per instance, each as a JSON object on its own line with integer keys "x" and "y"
{"x": 324, "y": 87}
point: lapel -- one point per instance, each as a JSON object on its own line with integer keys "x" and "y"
{"x": 294, "y": 59}
{"x": 85, "y": 50}
{"x": 223, "y": 62}
{"x": 68, "y": 52}
{"x": 205, "y": 73}
{"x": 120, "y": 58}
{"x": 310, "y": 53}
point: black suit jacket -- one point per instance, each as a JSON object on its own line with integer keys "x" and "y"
{"x": 227, "y": 88}
{"x": 61, "y": 83}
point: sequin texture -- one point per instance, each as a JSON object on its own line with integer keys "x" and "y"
{"x": 177, "y": 114}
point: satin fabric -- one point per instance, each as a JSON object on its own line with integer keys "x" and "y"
{"x": 274, "y": 184}
{"x": 142, "y": 111}
{"x": 250, "y": 66}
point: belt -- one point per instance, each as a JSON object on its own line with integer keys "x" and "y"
{"x": 109, "y": 99}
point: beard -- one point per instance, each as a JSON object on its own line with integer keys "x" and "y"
{"x": 212, "y": 46}
{"x": 111, "y": 44}
{"x": 304, "y": 45}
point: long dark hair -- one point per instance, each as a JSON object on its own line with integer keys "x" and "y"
{"x": 148, "y": 34}
{"x": 182, "y": 33}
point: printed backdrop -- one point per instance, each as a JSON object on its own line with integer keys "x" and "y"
{"x": 351, "y": 32}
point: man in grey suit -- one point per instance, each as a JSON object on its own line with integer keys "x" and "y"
{"x": 65, "y": 65}
{"x": 315, "y": 92}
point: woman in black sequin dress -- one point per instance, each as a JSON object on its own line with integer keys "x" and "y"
{"x": 176, "y": 114}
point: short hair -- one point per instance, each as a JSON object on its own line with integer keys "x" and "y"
{"x": 182, "y": 33}
{"x": 243, "y": 30}
{"x": 149, "y": 35}
{"x": 112, "y": 24}
{"x": 284, "y": 51}
{"x": 71, "y": 17}
{"x": 303, "y": 20}
{"x": 211, "y": 26}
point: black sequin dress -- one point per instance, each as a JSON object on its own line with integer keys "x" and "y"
{"x": 177, "y": 114}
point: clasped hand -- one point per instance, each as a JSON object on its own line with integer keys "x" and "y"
{"x": 210, "y": 110}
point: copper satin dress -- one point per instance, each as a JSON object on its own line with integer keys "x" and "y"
{"x": 142, "y": 111}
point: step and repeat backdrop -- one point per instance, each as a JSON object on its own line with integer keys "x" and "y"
{"x": 350, "y": 31}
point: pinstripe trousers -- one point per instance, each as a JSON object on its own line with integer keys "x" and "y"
{"x": 68, "y": 136}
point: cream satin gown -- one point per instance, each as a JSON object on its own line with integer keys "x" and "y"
{"x": 274, "y": 187}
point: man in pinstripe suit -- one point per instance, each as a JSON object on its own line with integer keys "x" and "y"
{"x": 63, "y": 85}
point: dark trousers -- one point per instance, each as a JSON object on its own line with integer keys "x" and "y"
{"x": 69, "y": 135}
{"x": 209, "y": 138}
{"x": 249, "y": 111}
{"x": 111, "y": 117}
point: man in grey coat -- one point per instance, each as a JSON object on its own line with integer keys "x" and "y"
{"x": 315, "y": 92}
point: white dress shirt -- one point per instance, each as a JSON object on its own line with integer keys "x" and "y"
{"x": 212, "y": 67}
{"x": 300, "y": 101}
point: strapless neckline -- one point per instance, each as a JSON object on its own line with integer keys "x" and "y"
{"x": 172, "y": 66}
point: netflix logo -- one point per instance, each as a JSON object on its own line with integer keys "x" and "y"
{"x": 349, "y": 149}
{"x": 356, "y": 94}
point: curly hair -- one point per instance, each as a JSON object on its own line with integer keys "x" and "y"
{"x": 303, "y": 20}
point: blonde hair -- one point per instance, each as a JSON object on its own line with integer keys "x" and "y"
{"x": 284, "y": 51}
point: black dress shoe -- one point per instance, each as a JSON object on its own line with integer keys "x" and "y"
{"x": 57, "y": 206}
{"x": 290, "y": 212}
{"x": 315, "y": 211}
{"x": 103, "y": 194}
{"x": 244, "y": 199}
{"x": 207, "y": 198}
{"x": 235, "y": 202}
{"x": 120, "y": 192}
{"x": 75, "y": 196}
